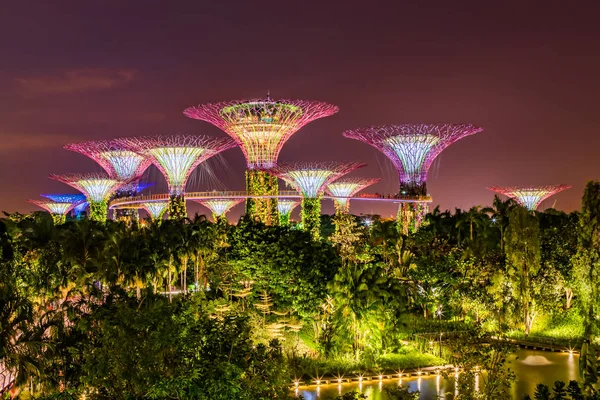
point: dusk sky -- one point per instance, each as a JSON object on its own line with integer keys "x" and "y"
{"x": 526, "y": 71}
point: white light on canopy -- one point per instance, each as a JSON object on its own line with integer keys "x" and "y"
{"x": 412, "y": 150}
{"x": 124, "y": 162}
{"x": 286, "y": 206}
{"x": 98, "y": 190}
{"x": 176, "y": 163}
{"x": 156, "y": 209}
{"x": 310, "y": 182}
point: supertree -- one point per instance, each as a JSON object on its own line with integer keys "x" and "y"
{"x": 261, "y": 127}
{"x": 58, "y": 210}
{"x": 97, "y": 188}
{"x": 412, "y": 149}
{"x": 310, "y": 179}
{"x": 344, "y": 188}
{"x": 529, "y": 197}
{"x": 77, "y": 199}
{"x": 285, "y": 208}
{"x": 219, "y": 207}
{"x": 156, "y": 209}
{"x": 176, "y": 157}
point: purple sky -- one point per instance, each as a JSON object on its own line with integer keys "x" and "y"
{"x": 525, "y": 71}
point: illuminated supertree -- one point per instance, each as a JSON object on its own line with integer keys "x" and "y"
{"x": 344, "y": 188}
{"x": 412, "y": 149}
{"x": 529, "y": 197}
{"x": 310, "y": 179}
{"x": 219, "y": 207}
{"x": 58, "y": 210}
{"x": 97, "y": 188}
{"x": 261, "y": 127}
{"x": 77, "y": 199}
{"x": 285, "y": 208}
{"x": 176, "y": 157}
{"x": 156, "y": 209}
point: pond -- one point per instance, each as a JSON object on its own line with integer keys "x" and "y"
{"x": 530, "y": 366}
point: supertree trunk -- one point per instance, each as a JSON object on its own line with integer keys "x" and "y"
{"x": 59, "y": 219}
{"x": 127, "y": 215}
{"x": 98, "y": 211}
{"x": 411, "y": 216}
{"x": 284, "y": 219}
{"x": 177, "y": 208}
{"x": 311, "y": 216}
{"x": 260, "y": 183}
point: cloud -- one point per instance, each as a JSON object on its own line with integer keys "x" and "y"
{"x": 76, "y": 81}
{"x": 20, "y": 141}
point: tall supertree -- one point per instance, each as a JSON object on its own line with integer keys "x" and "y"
{"x": 412, "y": 149}
{"x": 176, "y": 157}
{"x": 120, "y": 163}
{"x": 344, "y": 188}
{"x": 156, "y": 209}
{"x": 261, "y": 127}
{"x": 58, "y": 210}
{"x": 77, "y": 199}
{"x": 97, "y": 188}
{"x": 219, "y": 207}
{"x": 310, "y": 179}
{"x": 529, "y": 197}
{"x": 285, "y": 208}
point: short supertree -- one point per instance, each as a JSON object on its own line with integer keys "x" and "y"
{"x": 77, "y": 199}
{"x": 285, "y": 208}
{"x": 412, "y": 149}
{"x": 310, "y": 179}
{"x": 344, "y": 188}
{"x": 219, "y": 207}
{"x": 156, "y": 209}
{"x": 79, "y": 210}
{"x": 529, "y": 197}
{"x": 176, "y": 157}
{"x": 58, "y": 210}
{"x": 261, "y": 127}
{"x": 97, "y": 188}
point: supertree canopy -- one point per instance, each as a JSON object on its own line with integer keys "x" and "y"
{"x": 176, "y": 157}
{"x": 97, "y": 188}
{"x": 219, "y": 207}
{"x": 344, "y": 188}
{"x": 285, "y": 208}
{"x": 412, "y": 148}
{"x": 77, "y": 199}
{"x": 119, "y": 162}
{"x": 261, "y": 127}
{"x": 529, "y": 197}
{"x": 310, "y": 179}
{"x": 156, "y": 209}
{"x": 58, "y": 210}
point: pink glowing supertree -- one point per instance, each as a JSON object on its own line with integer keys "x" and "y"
{"x": 176, "y": 157}
{"x": 97, "y": 188}
{"x": 219, "y": 207}
{"x": 529, "y": 197}
{"x": 344, "y": 188}
{"x": 118, "y": 161}
{"x": 261, "y": 126}
{"x": 412, "y": 148}
{"x": 310, "y": 179}
{"x": 58, "y": 210}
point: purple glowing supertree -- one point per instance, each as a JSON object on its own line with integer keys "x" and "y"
{"x": 97, "y": 188}
{"x": 261, "y": 127}
{"x": 310, "y": 179}
{"x": 344, "y": 188}
{"x": 58, "y": 210}
{"x": 412, "y": 148}
{"x": 529, "y": 197}
{"x": 219, "y": 207}
{"x": 176, "y": 157}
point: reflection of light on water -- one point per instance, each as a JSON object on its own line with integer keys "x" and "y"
{"x": 536, "y": 360}
{"x": 438, "y": 379}
{"x": 419, "y": 383}
{"x": 476, "y": 381}
{"x": 340, "y": 389}
{"x": 456, "y": 384}
{"x": 380, "y": 386}
{"x": 571, "y": 367}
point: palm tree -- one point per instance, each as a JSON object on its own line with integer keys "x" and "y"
{"x": 500, "y": 215}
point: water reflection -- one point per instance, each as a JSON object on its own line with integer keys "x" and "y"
{"x": 529, "y": 372}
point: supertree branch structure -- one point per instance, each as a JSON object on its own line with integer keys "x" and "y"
{"x": 78, "y": 200}
{"x": 219, "y": 207}
{"x": 529, "y": 197}
{"x": 344, "y": 188}
{"x": 412, "y": 148}
{"x": 58, "y": 210}
{"x": 310, "y": 179}
{"x": 118, "y": 161}
{"x": 156, "y": 209}
{"x": 97, "y": 188}
{"x": 285, "y": 208}
{"x": 261, "y": 127}
{"x": 176, "y": 157}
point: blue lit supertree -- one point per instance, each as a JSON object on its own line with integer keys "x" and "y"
{"x": 78, "y": 200}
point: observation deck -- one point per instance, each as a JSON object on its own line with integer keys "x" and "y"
{"x": 131, "y": 202}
